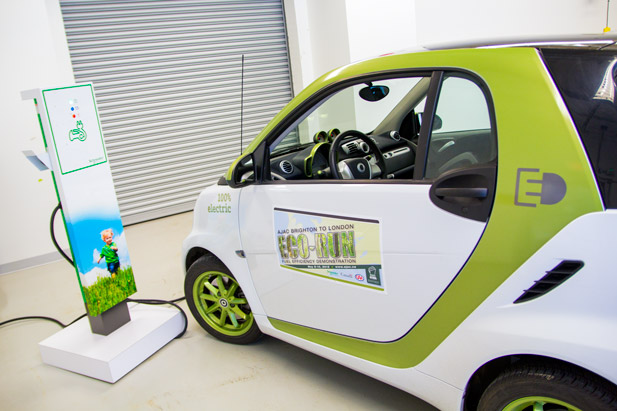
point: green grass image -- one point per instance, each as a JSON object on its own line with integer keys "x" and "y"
{"x": 107, "y": 292}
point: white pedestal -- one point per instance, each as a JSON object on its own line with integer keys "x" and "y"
{"x": 111, "y": 357}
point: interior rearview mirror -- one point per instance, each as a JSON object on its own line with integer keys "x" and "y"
{"x": 374, "y": 93}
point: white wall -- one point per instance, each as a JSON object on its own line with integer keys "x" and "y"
{"x": 326, "y": 34}
{"x": 449, "y": 20}
{"x": 380, "y": 27}
{"x": 34, "y": 54}
{"x": 318, "y": 39}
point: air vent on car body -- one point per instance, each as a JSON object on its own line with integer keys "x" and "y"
{"x": 286, "y": 167}
{"x": 552, "y": 279}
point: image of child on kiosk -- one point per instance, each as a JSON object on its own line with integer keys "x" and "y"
{"x": 110, "y": 252}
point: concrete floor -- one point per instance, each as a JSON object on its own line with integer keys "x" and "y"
{"x": 194, "y": 371}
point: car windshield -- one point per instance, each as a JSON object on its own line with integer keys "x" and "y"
{"x": 352, "y": 109}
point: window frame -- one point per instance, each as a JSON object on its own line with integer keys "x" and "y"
{"x": 434, "y": 103}
{"x": 436, "y": 75}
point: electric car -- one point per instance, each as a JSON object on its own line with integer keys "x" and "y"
{"x": 441, "y": 220}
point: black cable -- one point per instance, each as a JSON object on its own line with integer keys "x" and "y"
{"x": 53, "y": 235}
{"x": 77, "y": 319}
{"x": 33, "y": 317}
{"x": 162, "y": 302}
{"x": 149, "y": 301}
{"x": 140, "y": 301}
{"x": 66, "y": 257}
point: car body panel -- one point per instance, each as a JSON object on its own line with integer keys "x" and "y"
{"x": 430, "y": 341}
{"x": 431, "y": 389}
{"x": 574, "y": 322}
{"x": 215, "y": 230}
{"x": 525, "y": 131}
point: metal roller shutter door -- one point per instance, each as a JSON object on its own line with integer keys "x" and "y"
{"x": 167, "y": 77}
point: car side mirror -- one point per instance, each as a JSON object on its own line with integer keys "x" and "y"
{"x": 437, "y": 121}
{"x": 243, "y": 173}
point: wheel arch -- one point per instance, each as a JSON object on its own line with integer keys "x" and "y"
{"x": 237, "y": 266}
{"x": 197, "y": 252}
{"x": 489, "y": 371}
{"x": 194, "y": 254}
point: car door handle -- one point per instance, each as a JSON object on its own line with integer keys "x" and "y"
{"x": 479, "y": 192}
{"x": 466, "y": 192}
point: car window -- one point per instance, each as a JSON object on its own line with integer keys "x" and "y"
{"x": 346, "y": 110}
{"x": 586, "y": 80}
{"x": 461, "y": 134}
{"x": 380, "y": 109}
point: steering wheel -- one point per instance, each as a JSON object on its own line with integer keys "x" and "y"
{"x": 355, "y": 167}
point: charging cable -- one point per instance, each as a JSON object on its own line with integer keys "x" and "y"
{"x": 67, "y": 258}
{"x": 53, "y": 235}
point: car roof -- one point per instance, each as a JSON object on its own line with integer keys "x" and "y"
{"x": 598, "y": 40}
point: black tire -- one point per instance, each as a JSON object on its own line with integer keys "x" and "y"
{"x": 217, "y": 302}
{"x": 560, "y": 387}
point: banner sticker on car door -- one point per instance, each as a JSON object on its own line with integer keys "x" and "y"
{"x": 343, "y": 249}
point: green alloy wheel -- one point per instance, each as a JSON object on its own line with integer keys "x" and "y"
{"x": 218, "y": 303}
{"x": 548, "y": 387}
{"x": 539, "y": 404}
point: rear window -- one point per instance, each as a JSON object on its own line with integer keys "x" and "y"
{"x": 586, "y": 80}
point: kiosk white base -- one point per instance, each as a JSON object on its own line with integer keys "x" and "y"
{"x": 111, "y": 357}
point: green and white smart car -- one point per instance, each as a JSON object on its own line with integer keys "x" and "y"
{"x": 443, "y": 221}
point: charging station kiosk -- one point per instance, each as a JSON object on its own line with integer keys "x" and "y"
{"x": 116, "y": 336}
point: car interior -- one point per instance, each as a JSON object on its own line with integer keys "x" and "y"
{"x": 370, "y": 131}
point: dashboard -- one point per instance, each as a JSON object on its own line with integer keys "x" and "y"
{"x": 311, "y": 161}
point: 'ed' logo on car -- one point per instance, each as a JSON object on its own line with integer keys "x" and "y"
{"x": 533, "y": 188}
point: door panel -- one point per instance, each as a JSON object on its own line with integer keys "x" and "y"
{"x": 421, "y": 248}
{"x": 367, "y": 259}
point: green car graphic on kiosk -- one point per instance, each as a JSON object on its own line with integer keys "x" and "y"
{"x": 78, "y": 133}
{"x": 453, "y": 236}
